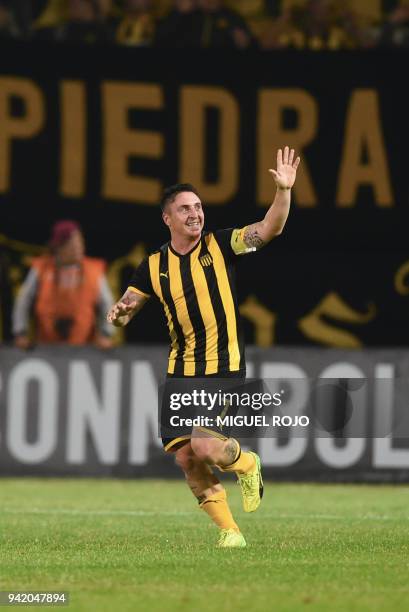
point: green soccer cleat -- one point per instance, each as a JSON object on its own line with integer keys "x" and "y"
{"x": 251, "y": 485}
{"x": 230, "y": 538}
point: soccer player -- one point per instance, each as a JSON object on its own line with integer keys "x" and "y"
{"x": 193, "y": 277}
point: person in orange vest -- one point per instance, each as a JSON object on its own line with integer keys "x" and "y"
{"x": 67, "y": 292}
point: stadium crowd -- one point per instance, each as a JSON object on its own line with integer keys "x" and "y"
{"x": 265, "y": 24}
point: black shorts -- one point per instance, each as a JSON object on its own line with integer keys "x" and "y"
{"x": 174, "y": 413}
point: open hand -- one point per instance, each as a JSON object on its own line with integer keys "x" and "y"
{"x": 286, "y": 171}
{"x": 120, "y": 309}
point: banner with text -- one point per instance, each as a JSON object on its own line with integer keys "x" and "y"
{"x": 98, "y": 132}
{"x": 92, "y": 413}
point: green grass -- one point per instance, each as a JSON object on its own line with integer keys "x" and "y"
{"x": 144, "y": 545}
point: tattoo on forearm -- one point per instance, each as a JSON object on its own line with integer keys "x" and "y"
{"x": 252, "y": 239}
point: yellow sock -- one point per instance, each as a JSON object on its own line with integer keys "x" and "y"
{"x": 244, "y": 463}
{"x": 217, "y": 508}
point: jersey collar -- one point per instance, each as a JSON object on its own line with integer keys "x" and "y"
{"x": 189, "y": 252}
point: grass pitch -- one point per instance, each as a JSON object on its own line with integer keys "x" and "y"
{"x": 144, "y": 545}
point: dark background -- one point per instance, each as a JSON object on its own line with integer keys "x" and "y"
{"x": 354, "y": 252}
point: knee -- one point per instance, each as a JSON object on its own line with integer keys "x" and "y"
{"x": 205, "y": 449}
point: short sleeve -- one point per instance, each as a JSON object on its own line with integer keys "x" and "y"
{"x": 140, "y": 281}
{"x": 231, "y": 241}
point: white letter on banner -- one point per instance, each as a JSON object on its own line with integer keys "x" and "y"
{"x": 144, "y": 416}
{"x": 353, "y": 449}
{"x": 21, "y": 402}
{"x": 88, "y": 413}
{"x": 288, "y": 373}
{"x": 384, "y": 455}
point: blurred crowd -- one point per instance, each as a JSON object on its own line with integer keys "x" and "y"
{"x": 265, "y": 24}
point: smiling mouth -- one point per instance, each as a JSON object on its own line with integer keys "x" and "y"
{"x": 194, "y": 224}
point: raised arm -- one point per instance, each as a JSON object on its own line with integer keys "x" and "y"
{"x": 258, "y": 234}
{"x": 126, "y": 308}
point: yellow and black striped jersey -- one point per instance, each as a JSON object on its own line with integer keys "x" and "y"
{"x": 198, "y": 293}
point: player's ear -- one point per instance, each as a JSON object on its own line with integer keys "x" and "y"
{"x": 166, "y": 218}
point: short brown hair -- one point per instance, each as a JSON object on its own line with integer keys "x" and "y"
{"x": 170, "y": 193}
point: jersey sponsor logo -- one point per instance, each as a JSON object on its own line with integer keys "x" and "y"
{"x": 206, "y": 260}
{"x": 165, "y": 274}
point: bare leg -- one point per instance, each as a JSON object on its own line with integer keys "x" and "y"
{"x": 204, "y": 485}
{"x": 225, "y": 454}
{"x": 199, "y": 475}
{"x": 228, "y": 457}
{"x": 215, "y": 451}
